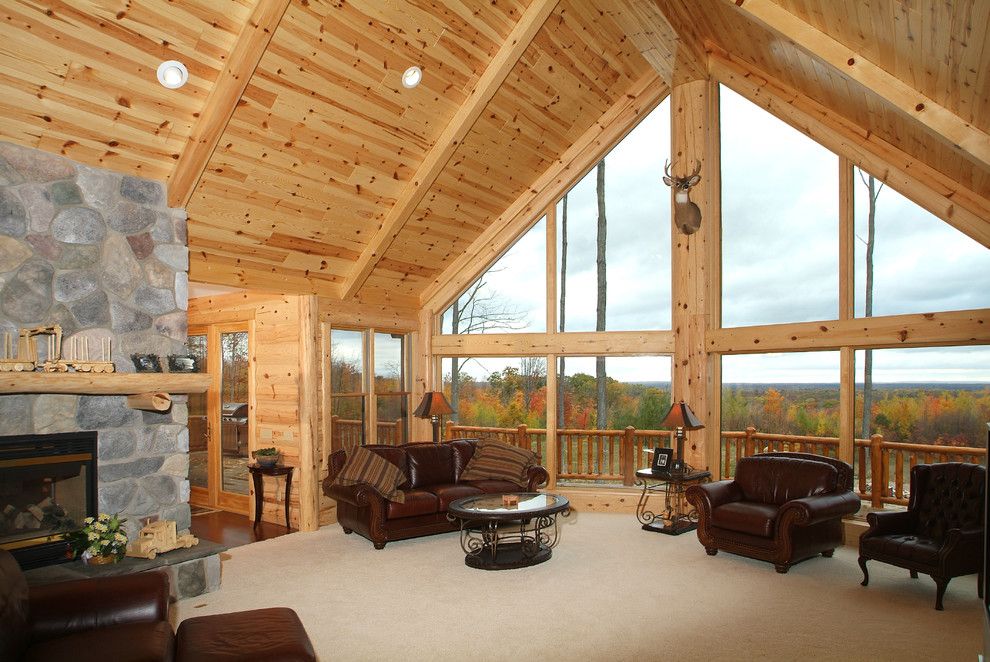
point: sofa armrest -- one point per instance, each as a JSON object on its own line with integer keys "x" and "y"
{"x": 85, "y": 604}
{"x": 819, "y": 508}
{"x": 359, "y": 495}
{"x": 714, "y": 494}
{"x": 962, "y": 544}
{"x": 538, "y": 477}
{"x": 884, "y": 523}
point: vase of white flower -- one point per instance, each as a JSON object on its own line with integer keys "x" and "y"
{"x": 100, "y": 540}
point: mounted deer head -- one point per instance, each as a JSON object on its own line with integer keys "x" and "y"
{"x": 687, "y": 216}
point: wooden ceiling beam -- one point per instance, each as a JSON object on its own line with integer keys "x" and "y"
{"x": 449, "y": 140}
{"x": 223, "y": 98}
{"x": 949, "y": 127}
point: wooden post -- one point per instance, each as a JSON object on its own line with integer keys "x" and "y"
{"x": 750, "y": 442}
{"x": 309, "y": 414}
{"x": 692, "y": 114}
{"x": 628, "y": 463}
{"x": 522, "y": 438}
{"x": 448, "y": 432}
{"x": 876, "y": 469}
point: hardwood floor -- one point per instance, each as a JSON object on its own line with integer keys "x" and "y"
{"x": 231, "y": 529}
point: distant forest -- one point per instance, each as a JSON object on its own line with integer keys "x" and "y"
{"x": 940, "y": 413}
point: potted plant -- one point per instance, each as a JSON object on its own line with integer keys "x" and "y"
{"x": 101, "y": 539}
{"x": 267, "y": 457}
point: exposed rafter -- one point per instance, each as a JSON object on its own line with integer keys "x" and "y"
{"x": 945, "y": 124}
{"x": 675, "y": 56}
{"x": 223, "y": 98}
{"x": 448, "y": 142}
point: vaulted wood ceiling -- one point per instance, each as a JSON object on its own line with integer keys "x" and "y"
{"x": 308, "y": 167}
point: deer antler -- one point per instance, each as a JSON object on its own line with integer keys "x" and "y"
{"x": 697, "y": 169}
{"x": 666, "y": 168}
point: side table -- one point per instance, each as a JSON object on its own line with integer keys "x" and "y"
{"x": 673, "y": 519}
{"x": 257, "y": 472}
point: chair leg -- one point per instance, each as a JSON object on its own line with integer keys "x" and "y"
{"x": 914, "y": 574}
{"x": 712, "y": 551}
{"x": 866, "y": 573}
{"x": 828, "y": 553}
{"x": 941, "y": 584}
{"x": 782, "y": 568}
{"x": 348, "y": 531}
{"x": 379, "y": 545}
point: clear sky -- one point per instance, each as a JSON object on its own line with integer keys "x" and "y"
{"x": 780, "y": 254}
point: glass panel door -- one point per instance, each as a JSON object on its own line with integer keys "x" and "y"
{"x": 234, "y": 389}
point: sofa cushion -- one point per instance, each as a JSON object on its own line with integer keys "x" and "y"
{"x": 492, "y": 485}
{"x": 417, "y": 502}
{"x": 757, "y": 519}
{"x": 448, "y": 492}
{"x": 493, "y": 459}
{"x": 429, "y": 464}
{"x": 463, "y": 452}
{"x": 907, "y": 547}
{"x": 130, "y": 642}
{"x": 776, "y": 480}
{"x": 363, "y": 466}
{"x": 396, "y": 455}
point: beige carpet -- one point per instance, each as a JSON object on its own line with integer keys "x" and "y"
{"x": 610, "y": 592}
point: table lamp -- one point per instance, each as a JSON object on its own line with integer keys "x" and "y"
{"x": 433, "y": 406}
{"x": 681, "y": 418}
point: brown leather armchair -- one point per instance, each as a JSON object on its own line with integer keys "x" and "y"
{"x": 941, "y": 532}
{"x": 781, "y": 507}
{"x": 111, "y": 618}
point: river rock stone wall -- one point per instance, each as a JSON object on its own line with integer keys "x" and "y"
{"x": 101, "y": 254}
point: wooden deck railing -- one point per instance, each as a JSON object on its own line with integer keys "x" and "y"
{"x": 605, "y": 455}
{"x": 614, "y": 455}
{"x": 347, "y": 432}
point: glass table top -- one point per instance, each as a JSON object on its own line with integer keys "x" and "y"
{"x": 492, "y": 503}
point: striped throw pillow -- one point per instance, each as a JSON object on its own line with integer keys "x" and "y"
{"x": 493, "y": 459}
{"x": 363, "y": 466}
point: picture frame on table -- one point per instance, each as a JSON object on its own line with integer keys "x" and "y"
{"x": 663, "y": 459}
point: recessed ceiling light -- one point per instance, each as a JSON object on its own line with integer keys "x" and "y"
{"x": 172, "y": 74}
{"x": 411, "y": 77}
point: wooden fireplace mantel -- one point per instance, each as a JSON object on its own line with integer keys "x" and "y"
{"x": 160, "y": 385}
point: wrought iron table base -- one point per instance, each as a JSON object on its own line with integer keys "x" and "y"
{"x": 503, "y": 545}
{"x": 670, "y": 520}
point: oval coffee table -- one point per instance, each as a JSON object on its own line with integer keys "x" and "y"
{"x": 498, "y": 537}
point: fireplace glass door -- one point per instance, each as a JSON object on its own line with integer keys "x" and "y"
{"x": 220, "y": 421}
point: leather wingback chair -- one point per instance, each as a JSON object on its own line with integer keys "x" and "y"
{"x": 781, "y": 507}
{"x": 941, "y": 532}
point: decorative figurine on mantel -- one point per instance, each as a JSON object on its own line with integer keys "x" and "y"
{"x": 159, "y": 537}
{"x": 79, "y": 357}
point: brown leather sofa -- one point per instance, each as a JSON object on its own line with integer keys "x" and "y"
{"x": 940, "y": 533}
{"x": 124, "y": 618}
{"x": 431, "y": 484}
{"x": 113, "y": 618}
{"x": 781, "y": 507}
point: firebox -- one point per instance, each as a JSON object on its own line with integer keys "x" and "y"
{"x": 48, "y": 486}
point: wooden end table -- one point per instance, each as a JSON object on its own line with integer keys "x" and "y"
{"x": 257, "y": 474}
{"x": 674, "y": 519}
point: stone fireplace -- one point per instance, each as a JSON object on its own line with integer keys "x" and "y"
{"x": 102, "y": 255}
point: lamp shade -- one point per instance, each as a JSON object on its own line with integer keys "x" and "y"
{"x": 434, "y": 404}
{"x": 681, "y": 416}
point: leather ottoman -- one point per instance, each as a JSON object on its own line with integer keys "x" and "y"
{"x": 275, "y": 634}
